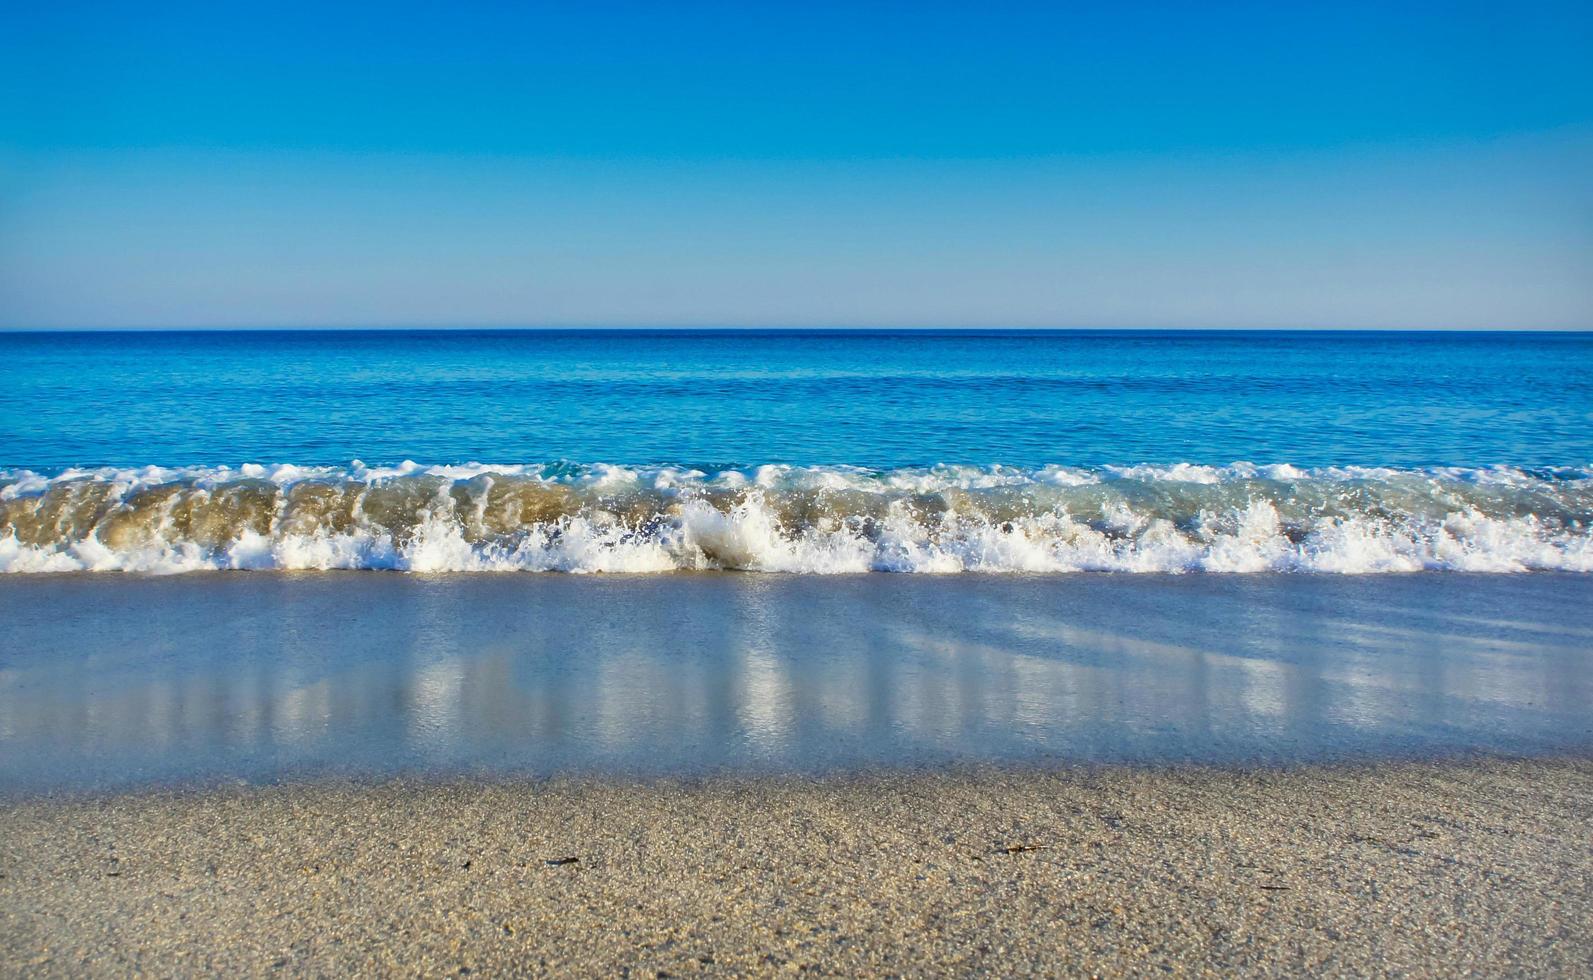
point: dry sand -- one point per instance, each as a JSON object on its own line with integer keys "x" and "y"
{"x": 1481, "y": 867}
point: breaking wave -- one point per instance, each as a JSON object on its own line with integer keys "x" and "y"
{"x": 818, "y": 520}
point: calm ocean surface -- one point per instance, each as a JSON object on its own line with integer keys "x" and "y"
{"x": 872, "y": 399}
{"x": 808, "y": 452}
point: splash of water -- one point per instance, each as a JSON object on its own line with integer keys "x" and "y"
{"x": 810, "y": 520}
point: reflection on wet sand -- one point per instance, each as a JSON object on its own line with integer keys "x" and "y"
{"x": 109, "y": 682}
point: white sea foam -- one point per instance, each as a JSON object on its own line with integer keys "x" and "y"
{"x": 1239, "y": 518}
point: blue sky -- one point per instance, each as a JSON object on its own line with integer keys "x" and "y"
{"x": 998, "y": 164}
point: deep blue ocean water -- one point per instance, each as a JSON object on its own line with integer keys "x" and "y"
{"x": 880, "y": 399}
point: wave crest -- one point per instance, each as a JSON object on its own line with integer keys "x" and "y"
{"x": 816, "y": 520}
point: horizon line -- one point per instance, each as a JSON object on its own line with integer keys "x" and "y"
{"x": 759, "y": 328}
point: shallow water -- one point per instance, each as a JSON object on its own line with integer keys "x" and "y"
{"x": 126, "y": 681}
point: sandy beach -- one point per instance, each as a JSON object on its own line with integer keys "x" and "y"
{"x": 1456, "y": 867}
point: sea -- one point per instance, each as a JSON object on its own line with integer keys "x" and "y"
{"x": 268, "y": 555}
{"x": 818, "y": 452}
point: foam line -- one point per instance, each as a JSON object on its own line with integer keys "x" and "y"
{"x": 812, "y": 520}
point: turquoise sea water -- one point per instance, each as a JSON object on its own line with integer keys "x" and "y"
{"x": 796, "y": 451}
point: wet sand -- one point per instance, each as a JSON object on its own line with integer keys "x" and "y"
{"x": 1458, "y": 867}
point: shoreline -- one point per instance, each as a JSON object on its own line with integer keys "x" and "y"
{"x": 1477, "y": 865}
{"x": 198, "y": 788}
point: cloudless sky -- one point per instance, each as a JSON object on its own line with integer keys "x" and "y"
{"x": 864, "y": 164}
